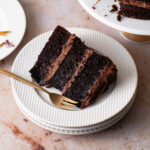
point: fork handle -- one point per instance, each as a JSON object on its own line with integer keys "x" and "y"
{"x": 7, "y": 73}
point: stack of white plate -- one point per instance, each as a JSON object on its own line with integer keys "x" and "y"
{"x": 108, "y": 108}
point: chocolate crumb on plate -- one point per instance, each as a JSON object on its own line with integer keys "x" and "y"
{"x": 114, "y": 8}
{"x": 93, "y": 7}
{"x": 119, "y": 17}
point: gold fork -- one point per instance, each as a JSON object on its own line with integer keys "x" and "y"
{"x": 58, "y": 100}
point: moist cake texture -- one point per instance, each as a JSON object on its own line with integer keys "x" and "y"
{"x": 98, "y": 73}
{"x": 139, "y": 9}
{"x": 67, "y": 64}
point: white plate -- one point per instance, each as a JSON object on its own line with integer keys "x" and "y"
{"x": 12, "y": 18}
{"x": 78, "y": 131}
{"x": 87, "y": 129}
{"x": 135, "y": 26}
{"x": 104, "y": 108}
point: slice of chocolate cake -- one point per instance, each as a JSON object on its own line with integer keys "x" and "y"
{"x": 70, "y": 66}
{"x": 139, "y": 9}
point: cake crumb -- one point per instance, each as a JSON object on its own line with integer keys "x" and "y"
{"x": 57, "y": 140}
{"x": 48, "y": 133}
{"x": 93, "y": 7}
{"x": 105, "y": 15}
{"x": 114, "y": 8}
{"x": 7, "y": 44}
{"x": 119, "y": 17}
{"x": 25, "y": 120}
{"x": 95, "y": 4}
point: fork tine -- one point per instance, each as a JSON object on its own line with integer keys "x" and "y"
{"x": 69, "y": 100}
{"x": 66, "y": 107}
{"x": 66, "y": 103}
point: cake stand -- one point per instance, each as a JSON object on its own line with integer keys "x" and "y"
{"x": 132, "y": 29}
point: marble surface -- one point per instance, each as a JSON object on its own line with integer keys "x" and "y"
{"x": 18, "y": 133}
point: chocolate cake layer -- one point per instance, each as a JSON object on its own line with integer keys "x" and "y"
{"x": 138, "y": 3}
{"x": 98, "y": 72}
{"x": 69, "y": 65}
{"x": 49, "y": 54}
{"x": 134, "y": 11}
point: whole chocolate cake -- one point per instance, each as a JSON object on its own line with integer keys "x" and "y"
{"x": 67, "y": 64}
{"x": 139, "y": 9}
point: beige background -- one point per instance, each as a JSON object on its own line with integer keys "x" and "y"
{"x": 17, "y": 133}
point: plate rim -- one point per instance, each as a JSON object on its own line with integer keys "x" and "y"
{"x": 93, "y": 32}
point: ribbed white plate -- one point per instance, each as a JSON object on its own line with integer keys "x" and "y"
{"x": 12, "y": 18}
{"x": 103, "y": 8}
{"x": 78, "y": 131}
{"x": 105, "y": 107}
